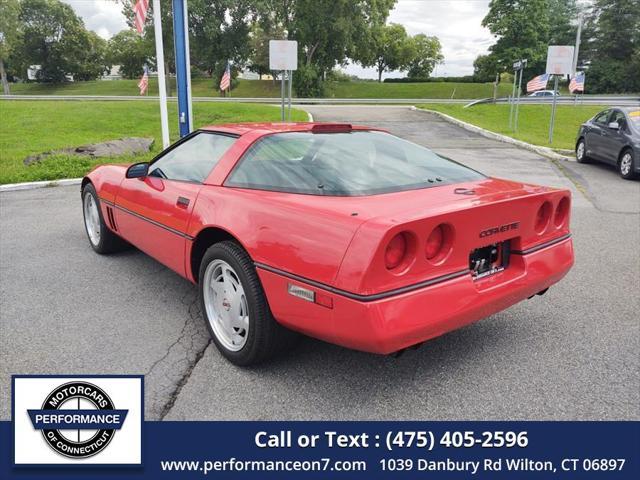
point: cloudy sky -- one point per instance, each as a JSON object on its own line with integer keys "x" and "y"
{"x": 455, "y": 22}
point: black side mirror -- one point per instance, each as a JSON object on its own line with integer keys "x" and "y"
{"x": 138, "y": 170}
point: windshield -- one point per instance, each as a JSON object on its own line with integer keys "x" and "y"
{"x": 343, "y": 164}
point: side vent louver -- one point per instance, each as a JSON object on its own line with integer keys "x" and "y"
{"x": 112, "y": 220}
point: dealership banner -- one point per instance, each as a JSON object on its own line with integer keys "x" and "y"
{"x": 93, "y": 427}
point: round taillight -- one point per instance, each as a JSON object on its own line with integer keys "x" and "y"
{"x": 543, "y": 216}
{"x": 435, "y": 242}
{"x": 562, "y": 212}
{"x": 396, "y": 251}
{"x": 439, "y": 243}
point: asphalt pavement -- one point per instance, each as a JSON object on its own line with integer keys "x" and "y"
{"x": 569, "y": 355}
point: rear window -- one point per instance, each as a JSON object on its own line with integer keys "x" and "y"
{"x": 343, "y": 164}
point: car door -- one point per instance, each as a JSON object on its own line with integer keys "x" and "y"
{"x": 613, "y": 139}
{"x": 595, "y": 135}
{"x": 153, "y": 212}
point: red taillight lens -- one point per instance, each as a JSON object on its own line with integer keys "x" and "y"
{"x": 396, "y": 251}
{"x": 543, "y": 216}
{"x": 434, "y": 242}
{"x": 562, "y": 212}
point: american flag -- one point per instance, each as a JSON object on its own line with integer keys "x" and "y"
{"x": 140, "y": 10}
{"x": 143, "y": 84}
{"x": 538, "y": 83}
{"x": 577, "y": 83}
{"x": 225, "y": 81}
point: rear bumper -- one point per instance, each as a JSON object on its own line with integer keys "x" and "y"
{"x": 400, "y": 321}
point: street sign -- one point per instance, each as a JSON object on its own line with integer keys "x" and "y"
{"x": 560, "y": 60}
{"x": 520, "y": 64}
{"x": 283, "y": 55}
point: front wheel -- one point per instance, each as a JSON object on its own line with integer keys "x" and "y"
{"x": 101, "y": 239}
{"x": 235, "y": 308}
{"x": 626, "y": 165}
{"x": 581, "y": 152}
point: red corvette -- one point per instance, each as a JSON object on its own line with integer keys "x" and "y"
{"x": 344, "y": 233}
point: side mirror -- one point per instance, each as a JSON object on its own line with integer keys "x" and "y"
{"x": 614, "y": 126}
{"x": 138, "y": 170}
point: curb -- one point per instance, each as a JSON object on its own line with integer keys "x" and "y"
{"x": 12, "y": 187}
{"x": 544, "y": 151}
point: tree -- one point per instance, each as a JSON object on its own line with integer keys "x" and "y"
{"x": 56, "y": 39}
{"x": 259, "y": 43}
{"x": 93, "y": 63}
{"x": 328, "y": 32}
{"x": 522, "y": 31}
{"x": 612, "y": 47}
{"x": 485, "y": 68}
{"x": 9, "y": 36}
{"x": 562, "y": 22}
{"x": 131, "y": 51}
{"x": 427, "y": 54}
{"x": 391, "y": 49}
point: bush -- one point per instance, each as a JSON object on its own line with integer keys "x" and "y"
{"x": 307, "y": 82}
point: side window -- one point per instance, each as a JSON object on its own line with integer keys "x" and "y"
{"x": 602, "y": 117}
{"x": 193, "y": 159}
{"x": 619, "y": 117}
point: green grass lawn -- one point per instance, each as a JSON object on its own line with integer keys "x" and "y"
{"x": 31, "y": 127}
{"x": 204, "y": 87}
{"x": 533, "y": 122}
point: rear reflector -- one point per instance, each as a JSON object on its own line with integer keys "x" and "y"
{"x": 319, "y": 298}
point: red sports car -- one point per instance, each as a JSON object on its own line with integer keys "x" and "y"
{"x": 344, "y": 233}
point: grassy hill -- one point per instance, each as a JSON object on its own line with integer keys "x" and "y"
{"x": 533, "y": 121}
{"x": 32, "y": 127}
{"x": 204, "y": 87}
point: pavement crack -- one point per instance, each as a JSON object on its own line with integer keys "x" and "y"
{"x": 167, "y": 375}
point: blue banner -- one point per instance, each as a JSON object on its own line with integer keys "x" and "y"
{"x": 365, "y": 450}
{"x": 72, "y": 419}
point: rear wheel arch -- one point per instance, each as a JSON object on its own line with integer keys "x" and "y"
{"x": 204, "y": 239}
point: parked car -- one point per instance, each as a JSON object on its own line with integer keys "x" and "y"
{"x": 344, "y": 233}
{"x": 612, "y": 136}
{"x": 544, "y": 93}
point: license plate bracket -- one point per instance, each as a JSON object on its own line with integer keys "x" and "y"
{"x": 489, "y": 260}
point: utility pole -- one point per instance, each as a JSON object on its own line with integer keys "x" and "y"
{"x": 575, "y": 51}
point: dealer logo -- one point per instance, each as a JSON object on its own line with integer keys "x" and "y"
{"x": 78, "y": 419}
{"x": 88, "y": 420}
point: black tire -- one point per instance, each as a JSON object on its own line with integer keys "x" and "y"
{"x": 109, "y": 242}
{"x": 266, "y": 337}
{"x": 581, "y": 152}
{"x": 625, "y": 155}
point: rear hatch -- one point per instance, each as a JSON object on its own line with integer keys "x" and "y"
{"x": 472, "y": 228}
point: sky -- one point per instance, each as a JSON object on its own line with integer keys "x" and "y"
{"x": 455, "y": 22}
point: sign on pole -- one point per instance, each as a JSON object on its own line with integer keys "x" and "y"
{"x": 283, "y": 56}
{"x": 559, "y": 62}
{"x": 560, "y": 59}
{"x": 518, "y": 66}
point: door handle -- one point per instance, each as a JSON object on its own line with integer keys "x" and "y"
{"x": 182, "y": 202}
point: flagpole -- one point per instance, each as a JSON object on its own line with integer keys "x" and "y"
{"x": 164, "y": 116}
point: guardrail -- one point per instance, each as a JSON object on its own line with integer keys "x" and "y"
{"x": 610, "y": 100}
